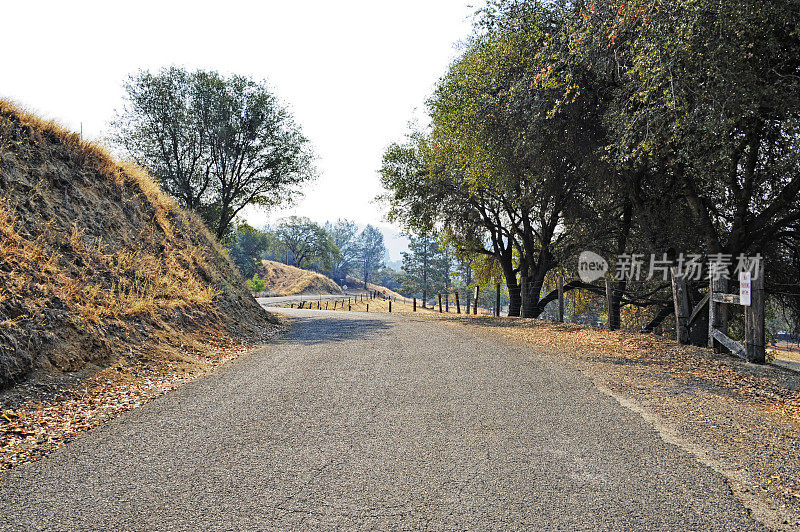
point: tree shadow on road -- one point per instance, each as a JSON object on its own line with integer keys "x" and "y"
{"x": 313, "y": 330}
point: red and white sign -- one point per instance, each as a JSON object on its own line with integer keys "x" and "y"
{"x": 745, "y": 288}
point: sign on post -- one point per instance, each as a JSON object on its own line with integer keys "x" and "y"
{"x": 745, "y": 288}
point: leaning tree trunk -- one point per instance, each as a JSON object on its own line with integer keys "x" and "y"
{"x": 514, "y": 295}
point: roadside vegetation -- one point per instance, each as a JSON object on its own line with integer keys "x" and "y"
{"x": 644, "y": 127}
{"x": 111, "y": 292}
{"x": 282, "y": 280}
{"x": 216, "y": 144}
{"x": 339, "y": 251}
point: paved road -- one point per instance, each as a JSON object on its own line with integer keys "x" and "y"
{"x": 375, "y": 421}
{"x": 279, "y": 301}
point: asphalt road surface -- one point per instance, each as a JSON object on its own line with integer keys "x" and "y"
{"x": 355, "y": 420}
{"x": 279, "y": 301}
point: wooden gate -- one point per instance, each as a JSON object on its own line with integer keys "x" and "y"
{"x": 751, "y": 296}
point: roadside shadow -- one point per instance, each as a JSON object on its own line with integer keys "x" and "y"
{"x": 312, "y": 330}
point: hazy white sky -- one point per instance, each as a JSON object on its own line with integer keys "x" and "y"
{"x": 352, "y": 72}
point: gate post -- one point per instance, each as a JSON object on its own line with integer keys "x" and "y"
{"x": 754, "y": 319}
{"x": 680, "y": 298}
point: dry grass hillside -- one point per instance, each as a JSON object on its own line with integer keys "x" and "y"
{"x": 283, "y": 280}
{"x": 354, "y": 283}
{"x": 96, "y": 261}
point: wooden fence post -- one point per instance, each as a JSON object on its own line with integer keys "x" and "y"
{"x": 497, "y": 302}
{"x": 680, "y": 297}
{"x": 367, "y": 307}
{"x": 440, "y": 303}
{"x": 390, "y": 306}
{"x": 458, "y": 304}
{"x": 415, "y": 304}
{"x": 716, "y": 317}
{"x": 561, "y": 299}
{"x": 754, "y": 318}
{"x": 475, "y": 307}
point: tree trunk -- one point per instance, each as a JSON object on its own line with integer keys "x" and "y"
{"x": 617, "y": 290}
{"x": 531, "y": 290}
{"x": 514, "y": 296}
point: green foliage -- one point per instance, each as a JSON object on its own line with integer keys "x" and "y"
{"x": 426, "y": 266}
{"x": 247, "y": 248}
{"x": 343, "y": 233}
{"x": 217, "y": 144}
{"x": 309, "y": 244}
{"x": 613, "y": 125}
{"x": 370, "y": 252}
{"x": 255, "y": 284}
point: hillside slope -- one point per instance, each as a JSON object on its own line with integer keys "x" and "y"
{"x": 284, "y": 280}
{"x": 96, "y": 261}
{"x": 358, "y": 284}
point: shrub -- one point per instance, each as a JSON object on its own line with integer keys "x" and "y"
{"x": 256, "y": 284}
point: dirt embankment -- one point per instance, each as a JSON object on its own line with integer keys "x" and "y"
{"x": 109, "y": 292}
{"x": 95, "y": 260}
{"x": 283, "y": 280}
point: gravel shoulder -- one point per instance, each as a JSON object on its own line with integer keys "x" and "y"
{"x": 355, "y": 420}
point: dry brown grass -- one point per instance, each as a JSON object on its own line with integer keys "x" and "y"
{"x": 99, "y": 268}
{"x": 140, "y": 282}
{"x": 92, "y": 250}
{"x": 354, "y": 283}
{"x": 283, "y": 280}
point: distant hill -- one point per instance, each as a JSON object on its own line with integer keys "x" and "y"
{"x": 358, "y": 284}
{"x": 284, "y": 280}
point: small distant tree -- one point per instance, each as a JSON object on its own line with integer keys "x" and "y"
{"x": 426, "y": 268}
{"x": 256, "y": 284}
{"x": 371, "y": 252}
{"x": 247, "y": 248}
{"x": 307, "y": 242}
{"x": 343, "y": 233}
{"x": 217, "y": 144}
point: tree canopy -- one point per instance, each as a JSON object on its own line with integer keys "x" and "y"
{"x": 216, "y": 143}
{"x": 615, "y": 126}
